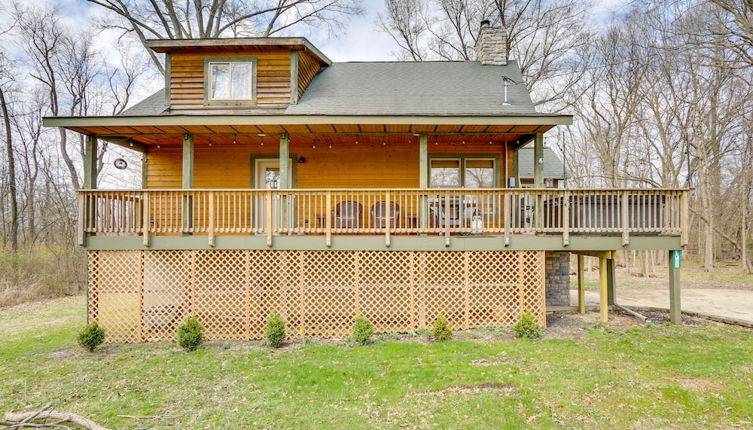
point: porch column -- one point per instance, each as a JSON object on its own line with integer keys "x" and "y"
{"x": 284, "y": 172}
{"x": 90, "y": 162}
{"x": 187, "y": 183}
{"x": 538, "y": 177}
{"x": 675, "y": 309}
{"x": 538, "y": 161}
{"x": 581, "y": 286}
{"x": 144, "y": 172}
{"x": 517, "y": 167}
{"x": 423, "y": 179}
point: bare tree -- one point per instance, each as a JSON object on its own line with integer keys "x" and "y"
{"x": 542, "y": 36}
{"x": 166, "y": 19}
{"x": 4, "y": 74}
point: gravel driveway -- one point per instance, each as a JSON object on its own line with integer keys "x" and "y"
{"x": 720, "y": 302}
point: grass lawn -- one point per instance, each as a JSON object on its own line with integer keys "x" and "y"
{"x": 662, "y": 377}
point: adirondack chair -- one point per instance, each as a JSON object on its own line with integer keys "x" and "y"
{"x": 347, "y": 214}
{"x": 380, "y": 213}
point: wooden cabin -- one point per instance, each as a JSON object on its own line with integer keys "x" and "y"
{"x": 276, "y": 180}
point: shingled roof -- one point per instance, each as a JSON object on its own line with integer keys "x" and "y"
{"x": 553, "y": 167}
{"x": 432, "y": 88}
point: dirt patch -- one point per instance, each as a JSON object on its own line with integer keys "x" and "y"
{"x": 561, "y": 325}
{"x": 699, "y": 385}
{"x": 660, "y": 318}
{"x": 477, "y": 388}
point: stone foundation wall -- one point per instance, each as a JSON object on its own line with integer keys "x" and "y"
{"x": 557, "y": 278}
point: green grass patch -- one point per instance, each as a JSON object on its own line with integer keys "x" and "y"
{"x": 685, "y": 377}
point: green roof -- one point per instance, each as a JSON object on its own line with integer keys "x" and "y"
{"x": 553, "y": 167}
{"x": 432, "y": 88}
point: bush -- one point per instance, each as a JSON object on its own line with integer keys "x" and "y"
{"x": 91, "y": 336}
{"x": 440, "y": 330}
{"x": 362, "y": 330}
{"x": 190, "y": 334}
{"x": 527, "y": 327}
{"x": 275, "y": 332}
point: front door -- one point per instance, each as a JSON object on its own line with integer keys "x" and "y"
{"x": 267, "y": 177}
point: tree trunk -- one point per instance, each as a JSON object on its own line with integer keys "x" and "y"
{"x": 11, "y": 174}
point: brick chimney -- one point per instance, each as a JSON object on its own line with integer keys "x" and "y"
{"x": 490, "y": 44}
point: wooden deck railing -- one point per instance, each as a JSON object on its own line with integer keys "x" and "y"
{"x": 385, "y": 212}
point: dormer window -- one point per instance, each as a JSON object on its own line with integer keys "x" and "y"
{"x": 230, "y": 80}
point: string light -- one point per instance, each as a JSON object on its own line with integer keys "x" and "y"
{"x": 330, "y": 146}
{"x": 384, "y": 143}
{"x": 436, "y": 141}
{"x": 463, "y": 141}
{"x": 490, "y": 142}
{"x": 210, "y": 141}
{"x": 356, "y": 140}
{"x": 158, "y": 146}
{"x": 235, "y": 142}
{"x": 262, "y": 139}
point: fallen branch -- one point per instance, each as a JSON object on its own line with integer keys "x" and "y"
{"x": 147, "y": 417}
{"x": 24, "y": 419}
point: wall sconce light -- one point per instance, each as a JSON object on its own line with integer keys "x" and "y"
{"x": 301, "y": 160}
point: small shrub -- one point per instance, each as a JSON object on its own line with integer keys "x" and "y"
{"x": 527, "y": 327}
{"x": 275, "y": 331}
{"x": 91, "y": 336}
{"x": 440, "y": 330}
{"x": 190, "y": 334}
{"x": 362, "y": 330}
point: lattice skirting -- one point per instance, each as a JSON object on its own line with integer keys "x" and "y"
{"x": 144, "y": 295}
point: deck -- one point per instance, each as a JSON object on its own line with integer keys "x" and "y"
{"x": 385, "y": 217}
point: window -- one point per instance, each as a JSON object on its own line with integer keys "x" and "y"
{"x": 462, "y": 172}
{"x": 445, "y": 174}
{"x": 230, "y": 80}
{"x": 479, "y": 173}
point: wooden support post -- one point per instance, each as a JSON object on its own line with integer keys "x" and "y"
{"x": 145, "y": 219}
{"x": 144, "y": 171}
{"x": 387, "y": 219}
{"x": 625, "y": 220}
{"x": 581, "y": 286}
{"x": 187, "y": 182}
{"x": 328, "y": 219}
{"x": 90, "y": 183}
{"x": 423, "y": 180}
{"x": 538, "y": 161}
{"x": 675, "y": 308}
{"x": 284, "y": 174}
{"x": 90, "y": 162}
{"x": 210, "y": 226}
{"x": 268, "y": 217}
{"x": 538, "y": 178}
{"x": 684, "y": 217}
{"x": 515, "y": 158}
{"x": 566, "y": 219}
{"x": 611, "y": 280}
{"x": 603, "y": 300}
{"x": 447, "y": 219}
{"x": 508, "y": 217}
{"x": 82, "y": 219}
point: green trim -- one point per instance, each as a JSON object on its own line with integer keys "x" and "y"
{"x": 168, "y": 78}
{"x": 262, "y": 119}
{"x": 538, "y": 167}
{"x": 397, "y": 243}
{"x": 90, "y": 162}
{"x": 187, "y": 161}
{"x": 293, "y": 157}
{"x": 230, "y": 102}
{"x": 144, "y": 171}
{"x": 294, "y": 77}
{"x": 463, "y": 157}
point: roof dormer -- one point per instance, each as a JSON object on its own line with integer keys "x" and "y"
{"x": 237, "y": 74}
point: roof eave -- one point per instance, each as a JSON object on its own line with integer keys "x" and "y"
{"x": 513, "y": 119}
{"x": 165, "y": 45}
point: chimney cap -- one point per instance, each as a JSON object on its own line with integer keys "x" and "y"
{"x": 485, "y": 23}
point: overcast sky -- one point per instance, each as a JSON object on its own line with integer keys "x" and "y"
{"x": 361, "y": 42}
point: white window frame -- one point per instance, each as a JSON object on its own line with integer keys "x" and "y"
{"x": 230, "y": 61}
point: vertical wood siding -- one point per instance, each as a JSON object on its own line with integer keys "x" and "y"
{"x": 308, "y": 67}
